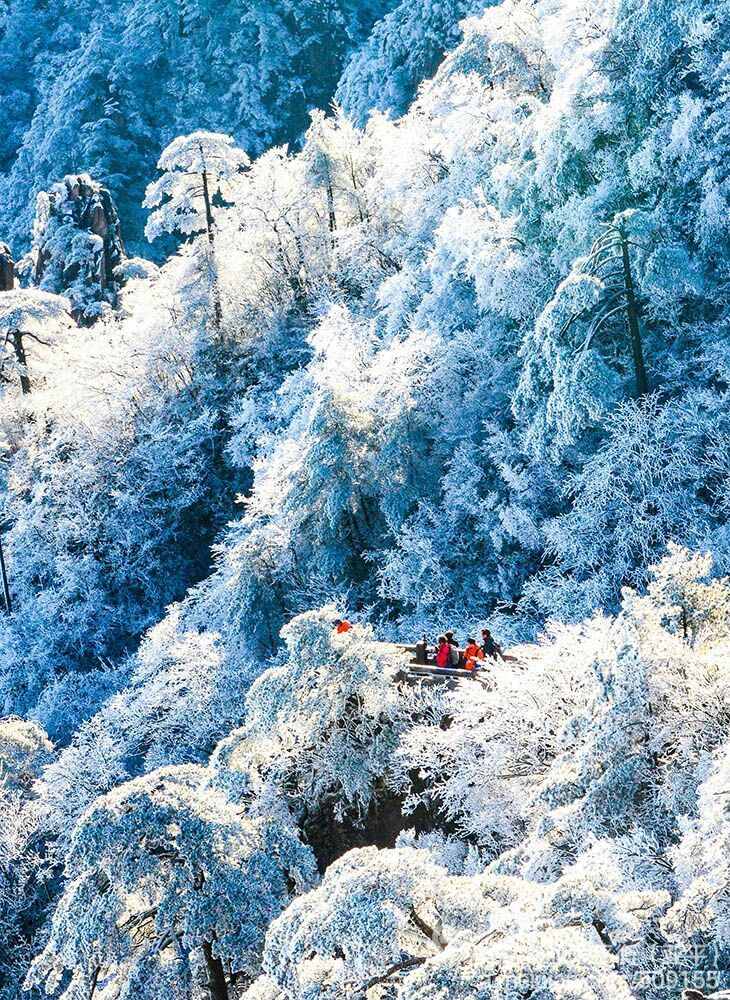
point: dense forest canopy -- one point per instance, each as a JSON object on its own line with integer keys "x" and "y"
{"x": 409, "y": 313}
{"x": 101, "y": 87}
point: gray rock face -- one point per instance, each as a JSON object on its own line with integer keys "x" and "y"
{"x": 7, "y": 269}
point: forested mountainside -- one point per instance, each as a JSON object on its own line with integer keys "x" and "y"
{"x": 457, "y": 353}
{"x": 102, "y": 87}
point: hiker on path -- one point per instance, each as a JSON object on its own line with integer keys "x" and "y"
{"x": 421, "y": 652}
{"x": 491, "y": 648}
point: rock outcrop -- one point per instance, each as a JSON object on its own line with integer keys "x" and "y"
{"x": 7, "y": 269}
{"x": 77, "y": 244}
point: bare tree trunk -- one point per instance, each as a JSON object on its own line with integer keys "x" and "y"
{"x": 331, "y": 213}
{"x": 6, "y": 585}
{"x": 94, "y": 981}
{"x": 21, "y": 357}
{"x": 208, "y": 209}
{"x": 355, "y": 189}
{"x": 331, "y": 210}
{"x": 216, "y": 976}
{"x": 632, "y": 314}
{"x": 217, "y": 309}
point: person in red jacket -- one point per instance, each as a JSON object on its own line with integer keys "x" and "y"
{"x": 443, "y": 652}
{"x": 342, "y": 625}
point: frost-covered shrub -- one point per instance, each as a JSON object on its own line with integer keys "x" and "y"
{"x": 395, "y": 918}
{"x": 24, "y": 857}
{"x": 24, "y": 752}
{"x": 363, "y": 919}
{"x": 403, "y": 50}
{"x": 180, "y": 694}
{"x": 162, "y": 867}
{"x": 700, "y": 863}
{"x": 642, "y": 488}
{"x": 71, "y": 700}
{"x": 323, "y": 723}
{"x": 557, "y": 962}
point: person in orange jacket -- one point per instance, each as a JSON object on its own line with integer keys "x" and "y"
{"x": 342, "y": 625}
{"x": 472, "y": 654}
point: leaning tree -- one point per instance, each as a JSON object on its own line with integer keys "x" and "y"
{"x": 609, "y": 263}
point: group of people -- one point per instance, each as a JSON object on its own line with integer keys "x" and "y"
{"x": 446, "y": 652}
{"x": 449, "y": 654}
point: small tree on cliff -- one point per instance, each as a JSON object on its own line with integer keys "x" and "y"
{"x": 27, "y": 314}
{"x": 198, "y": 169}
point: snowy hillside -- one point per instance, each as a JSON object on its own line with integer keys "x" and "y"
{"x": 103, "y": 87}
{"x": 455, "y": 356}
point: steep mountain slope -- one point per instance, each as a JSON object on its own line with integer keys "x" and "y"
{"x": 355, "y": 830}
{"x": 104, "y": 87}
{"x": 470, "y": 364}
{"x": 400, "y": 342}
